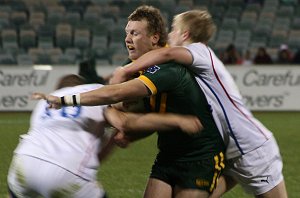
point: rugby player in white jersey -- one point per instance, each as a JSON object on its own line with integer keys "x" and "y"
{"x": 61, "y": 153}
{"x": 58, "y": 157}
{"x": 253, "y": 157}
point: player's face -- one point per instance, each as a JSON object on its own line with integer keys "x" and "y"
{"x": 175, "y": 37}
{"x": 137, "y": 40}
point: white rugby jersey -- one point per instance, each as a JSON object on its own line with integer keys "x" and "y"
{"x": 68, "y": 137}
{"x": 240, "y": 130}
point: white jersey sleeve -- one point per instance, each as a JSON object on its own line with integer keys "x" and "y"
{"x": 241, "y": 132}
{"x": 68, "y": 137}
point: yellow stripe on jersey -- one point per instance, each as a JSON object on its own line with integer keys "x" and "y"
{"x": 163, "y": 103}
{"x": 148, "y": 83}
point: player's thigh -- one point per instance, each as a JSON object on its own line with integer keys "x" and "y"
{"x": 279, "y": 191}
{"x": 225, "y": 183}
{"x": 33, "y": 177}
{"x": 89, "y": 189}
{"x": 258, "y": 171}
{"x": 199, "y": 175}
{"x": 196, "y": 174}
{"x": 67, "y": 184}
{"x": 157, "y": 189}
{"x": 17, "y": 179}
{"x": 189, "y": 193}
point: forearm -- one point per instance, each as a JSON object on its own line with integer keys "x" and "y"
{"x": 163, "y": 122}
{"x": 109, "y": 94}
{"x": 160, "y": 56}
{"x": 178, "y": 54}
{"x": 151, "y": 122}
{"x": 132, "y": 122}
{"x": 105, "y": 95}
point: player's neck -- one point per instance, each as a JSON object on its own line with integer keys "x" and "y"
{"x": 156, "y": 47}
{"x": 186, "y": 42}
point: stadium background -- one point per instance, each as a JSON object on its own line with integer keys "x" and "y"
{"x": 62, "y": 33}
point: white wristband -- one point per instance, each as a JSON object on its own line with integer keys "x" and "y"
{"x": 68, "y": 100}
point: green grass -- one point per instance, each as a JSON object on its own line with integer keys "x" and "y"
{"x": 124, "y": 174}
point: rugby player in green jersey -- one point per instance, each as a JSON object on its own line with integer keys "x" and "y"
{"x": 185, "y": 166}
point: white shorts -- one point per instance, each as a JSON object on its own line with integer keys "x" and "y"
{"x": 31, "y": 177}
{"x": 259, "y": 170}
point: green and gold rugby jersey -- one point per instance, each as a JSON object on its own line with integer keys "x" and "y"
{"x": 175, "y": 90}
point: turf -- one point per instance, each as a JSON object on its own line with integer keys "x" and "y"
{"x": 124, "y": 174}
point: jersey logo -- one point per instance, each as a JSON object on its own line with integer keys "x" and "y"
{"x": 65, "y": 112}
{"x": 265, "y": 180}
{"x": 152, "y": 69}
{"x": 201, "y": 182}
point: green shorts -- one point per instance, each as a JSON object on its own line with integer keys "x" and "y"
{"x": 202, "y": 174}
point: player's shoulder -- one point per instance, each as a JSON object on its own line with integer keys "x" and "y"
{"x": 168, "y": 66}
{"x": 197, "y": 46}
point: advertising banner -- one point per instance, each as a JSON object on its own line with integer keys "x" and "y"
{"x": 264, "y": 88}
{"x": 275, "y": 88}
{"x": 18, "y": 83}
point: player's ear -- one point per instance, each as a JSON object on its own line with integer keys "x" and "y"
{"x": 186, "y": 35}
{"x": 155, "y": 39}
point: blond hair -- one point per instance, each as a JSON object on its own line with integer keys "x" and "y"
{"x": 198, "y": 23}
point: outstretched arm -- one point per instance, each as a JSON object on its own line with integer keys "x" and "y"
{"x": 135, "y": 123}
{"x": 108, "y": 94}
{"x": 178, "y": 54}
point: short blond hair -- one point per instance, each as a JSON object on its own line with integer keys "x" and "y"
{"x": 198, "y": 23}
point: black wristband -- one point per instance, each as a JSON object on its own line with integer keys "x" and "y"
{"x": 62, "y": 101}
{"x": 74, "y": 100}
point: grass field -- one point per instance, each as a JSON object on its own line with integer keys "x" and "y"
{"x": 124, "y": 174}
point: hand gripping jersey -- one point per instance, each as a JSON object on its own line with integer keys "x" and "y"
{"x": 69, "y": 137}
{"x": 241, "y": 132}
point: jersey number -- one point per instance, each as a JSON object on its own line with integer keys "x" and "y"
{"x": 66, "y": 112}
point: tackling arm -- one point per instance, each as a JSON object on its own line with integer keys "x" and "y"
{"x": 135, "y": 123}
{"x": 178, "y": 54}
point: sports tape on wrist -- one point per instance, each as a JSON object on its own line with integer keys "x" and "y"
{"x": 69, "y": 100}
{"x": 62, "y": 101}
{"x": 76, "y": 99}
